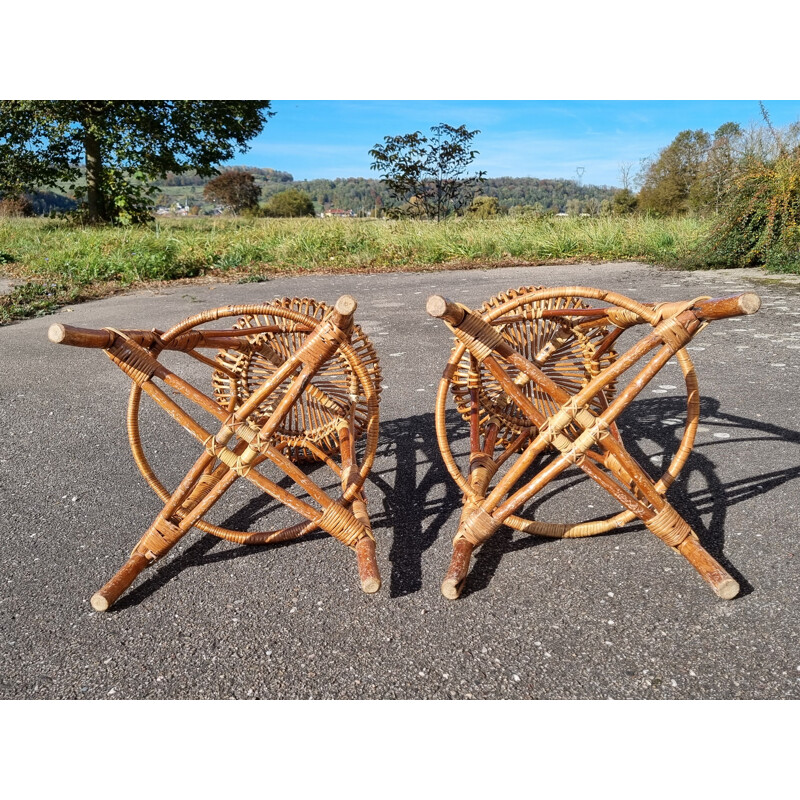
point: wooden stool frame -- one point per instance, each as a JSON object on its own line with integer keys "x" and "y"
{"x": 560, "y": 395}
{"x": 262, "y": 374}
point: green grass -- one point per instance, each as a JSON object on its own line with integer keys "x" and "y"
{"x": 62, "y": 263}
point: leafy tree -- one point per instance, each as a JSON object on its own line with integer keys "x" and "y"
{"x": 592, "y": 207}
{"x": 667, "y": 180}
{"x": 574, "y": 207}
{"x": 718, "y": 169}
{"x": 429, "y": 170}
{"x": 289, "y": 203}
{"x": 623, "y": 202}
{"x": 123, "y": 145}
{"x": 234, "y": 189}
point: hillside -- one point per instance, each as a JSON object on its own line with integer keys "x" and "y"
{"x": 362, "y": 196}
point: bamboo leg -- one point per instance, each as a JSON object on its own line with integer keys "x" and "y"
{"x": 480, "y": 475}
{"x": 368, "y": 571}
{"x": 111, "y": 592}
{"x": 367, "y": 565}
{"x": 710, "y": 570}
{"x": 453, "y": 582}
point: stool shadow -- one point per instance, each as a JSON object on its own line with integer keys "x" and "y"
{"x": 419, "y": 496}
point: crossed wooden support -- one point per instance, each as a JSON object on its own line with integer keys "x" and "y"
{"x": 535, "y": 371}
{"x": 292, "y": 381}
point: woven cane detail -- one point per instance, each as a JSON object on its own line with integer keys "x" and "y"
{"x": 665, "y": 310}
{"x": 577, "y": 451}
{"x": 480, "y": 338}
{"x": 623, "y": 318}
{"x": 320, "y": 347}
{"x": 227, "y": 457}
{"x": 673, "y": 334}
{"x": 203, "y": 486}
{"x": 244, "y": 429}
{"x": 669, "y": 526}
{"x": 485, "y": 461}
{"x": 566, "y": 414}
{"x": 339, "y": 522}
{"x": 158, "y": 539}
{"x": 132, "y": 359}
{"x": 478, "y": 527}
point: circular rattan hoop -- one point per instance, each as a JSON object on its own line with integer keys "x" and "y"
{"x": 580, "y": 344}
{"x": 567, "y": 355}
{"x": 352, "y": 373}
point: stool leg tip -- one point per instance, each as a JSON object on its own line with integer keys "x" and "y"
{"x": 99, "y": 603}
{"x": 451, "y": 588}
{"x": 727, "y": 589}
{"x": 371, "y": 585}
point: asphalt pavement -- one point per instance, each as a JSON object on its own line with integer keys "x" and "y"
{"x": 613, "y": 616}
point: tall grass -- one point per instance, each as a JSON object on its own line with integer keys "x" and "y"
{"x": 66, "y": 262}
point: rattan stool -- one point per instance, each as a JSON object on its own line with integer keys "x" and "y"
{"x": 535, "y": 371}
{"x": 292, "y": 381}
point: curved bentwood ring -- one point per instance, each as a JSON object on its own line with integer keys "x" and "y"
{"x": 292, "y": 381}
{"x": 534, "y": 371}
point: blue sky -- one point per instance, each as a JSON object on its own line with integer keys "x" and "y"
{"x": 537, "y": 138}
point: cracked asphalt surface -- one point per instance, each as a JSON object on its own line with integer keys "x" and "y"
{"x": 617, "y": 615}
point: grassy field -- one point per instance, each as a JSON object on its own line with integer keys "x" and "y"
{"x": 58, "y": 263}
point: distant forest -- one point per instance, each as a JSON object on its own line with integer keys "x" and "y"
{"x": 363, "y": 196}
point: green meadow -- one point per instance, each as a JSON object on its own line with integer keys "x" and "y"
{"x": 55, "y": 263}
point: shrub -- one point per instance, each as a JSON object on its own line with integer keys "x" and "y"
{"x": 484, "y": 207}
{"x": 759, "y": 216}
{"x": 291, "y": 203}
{"x": 16, "y": 207}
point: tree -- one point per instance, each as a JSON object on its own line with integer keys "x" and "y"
{"x": 290, "y": 203}
{"x": 122, "y": 145}
{"x": 428, "y": 172}
{"x": 234, "y": 189}
{"x": 719, "y": 168}
{"x": 623, "y": 202}
{"x": 667, "y": 180}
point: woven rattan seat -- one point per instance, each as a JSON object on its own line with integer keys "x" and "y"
{"x": 535, "y": 373}
{"x": 291, "y": 381}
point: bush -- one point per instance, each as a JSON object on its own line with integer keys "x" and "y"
{"x": 291, "y": 203}
{"x": 623, "y": 202}
{"x": 759, "y": 216}
{"x": 484, "y": 207}
{"x": 16, "y": 207}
